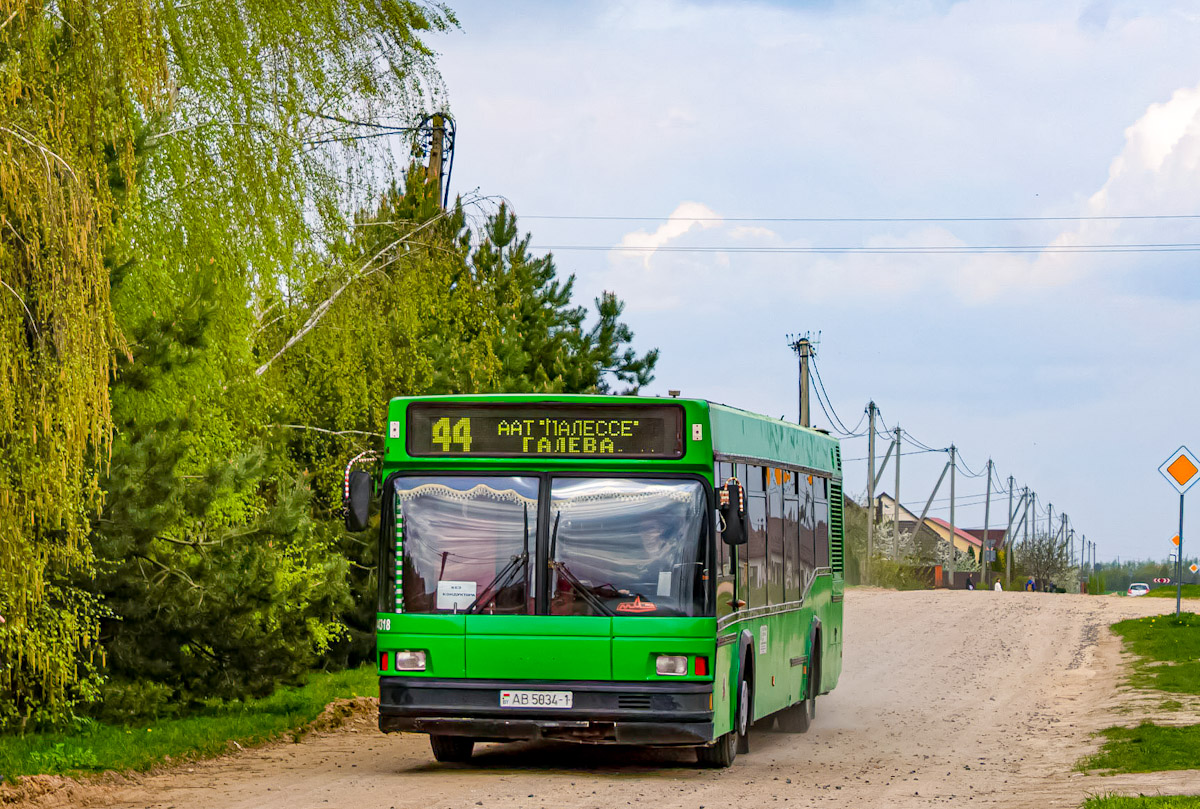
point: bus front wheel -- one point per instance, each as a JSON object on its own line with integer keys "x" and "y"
{"x": 724, "y": 750}
{"x": 451, "y": 748}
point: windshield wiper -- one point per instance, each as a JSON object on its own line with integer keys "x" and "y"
{"x": 505, "y": 576}
{"x": 579, "y": 587}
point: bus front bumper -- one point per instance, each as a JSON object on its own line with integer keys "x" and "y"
{"x": 642, "y": 713}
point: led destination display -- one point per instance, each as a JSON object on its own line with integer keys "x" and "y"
{"x": 552, "y": 430}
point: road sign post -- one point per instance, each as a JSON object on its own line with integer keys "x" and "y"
{"x": 1181, "y": 470}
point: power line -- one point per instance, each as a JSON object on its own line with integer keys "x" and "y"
{"x": 907, "y": 436}
{"x": 821, "y": 391}
{"x": 965, "y": 468}
{"x": 829, "y": 219}
{"x": 941, "y": 250}
{"x": 914, "y": 452}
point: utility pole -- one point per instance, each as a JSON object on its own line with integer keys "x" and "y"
{"x": 987, "y": 514}
{"x": 1077, "y": 575}
{"x": 435, "y": 157}
{"x": 953, "y": 466}
{"x": 1008, "y": 540}
{"x": 1028, "y": 501}
{"x": 1050, "y": 521}
{"x": 929, "y": 502}
{"x": 804, "y": 349}
{"x": 870, "y": 486}
{"x": 896, "y": 503}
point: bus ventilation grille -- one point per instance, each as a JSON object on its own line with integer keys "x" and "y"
{"x": 634, "y": 701}
{"x": 837, "y": 457}
{"x": 836, "y": 533}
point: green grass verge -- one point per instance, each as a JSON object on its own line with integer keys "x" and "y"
{"x": 1154, "y": 802}
{"x": 1147, "y": 748}
{"x": 1168, "y": 649}
{"x": 102, "y": 747}
{"x": 1168, "y": 591}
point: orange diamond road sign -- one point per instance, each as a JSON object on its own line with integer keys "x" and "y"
{"x": 1181, "y": 470}
{"x": 1175, "y": 540}
{"x": 1193, "y": 568}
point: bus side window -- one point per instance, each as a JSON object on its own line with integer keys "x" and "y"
{"x": 775, "y": 584}
{"x": 756, "y": 547}
{"x": 742, "y": 563}
{"x": 793, "y": 581}
{"x": 808, "y": 554}
{"x": 724, "y": 577}
{"x": 822, "y": 524}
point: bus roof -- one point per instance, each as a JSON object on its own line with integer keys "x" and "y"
{"x": 742, "y": 435}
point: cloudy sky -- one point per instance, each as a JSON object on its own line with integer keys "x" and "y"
{"x": 1075, "y": 371}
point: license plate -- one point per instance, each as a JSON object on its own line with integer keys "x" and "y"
{"x": 535, "y": 699}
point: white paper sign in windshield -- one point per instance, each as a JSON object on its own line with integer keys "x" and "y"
{"x": 455, "y": 595}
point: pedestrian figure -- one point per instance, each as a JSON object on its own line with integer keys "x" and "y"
{"x": 970, "y": 584}
{"x": 1029, "y": 585}
{"x": 997, "y": 586}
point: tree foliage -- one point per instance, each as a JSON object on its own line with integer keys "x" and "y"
{"x": 420, "y": 302}
{"x": 1043, "y": 556}
{"x": 212, "y": 284}
{"x": 74, "y": 76}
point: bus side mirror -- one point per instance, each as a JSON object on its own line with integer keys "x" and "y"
{"x": 358, "y": 500}
{"x": 732, "y": 505}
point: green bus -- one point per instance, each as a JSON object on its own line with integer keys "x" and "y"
{"x": 602, "y": 569}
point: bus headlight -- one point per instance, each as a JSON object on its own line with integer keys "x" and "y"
{"x": 671, "y": 665}
{"x": 410, "y": 660}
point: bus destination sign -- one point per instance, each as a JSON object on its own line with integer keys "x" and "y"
{"x": 545, "y": 430}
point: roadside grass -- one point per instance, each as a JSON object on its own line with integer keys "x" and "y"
{"x": 1168, "y": 591}
{"x": 1143, "y": 802}
{"x": 98, "y": 747}
{"x": 1168, "y": 650}
{"x": 1147, "y": 748}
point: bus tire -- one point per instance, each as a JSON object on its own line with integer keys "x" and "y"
{"x": 798, "y": 718}
{"x": 795, "y": 718}
{"x": 745, "y": 710}
{"x": 451, "y": 748}
{"x": 720, "y": 754}
{"x": 816, "y": 685}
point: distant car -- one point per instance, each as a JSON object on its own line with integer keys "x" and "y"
{"x": 1137, "y": 589}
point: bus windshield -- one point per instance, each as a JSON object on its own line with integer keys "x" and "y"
{"x": 627, "y": 547}
{"x": 468, "y": 543}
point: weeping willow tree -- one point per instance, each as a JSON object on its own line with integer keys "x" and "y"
{"x": 73, "y": 76}
{"x": 148, "y": 144}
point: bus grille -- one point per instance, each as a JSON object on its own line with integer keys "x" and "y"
{"x": 634, "y": 701}
{"x": 836, "y": 533}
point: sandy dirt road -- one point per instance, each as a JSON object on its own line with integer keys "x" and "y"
{"x": 972, "y": 698}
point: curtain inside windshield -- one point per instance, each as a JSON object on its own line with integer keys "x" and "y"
{"x": 626, "y": 547}
{"x": 468, "y": 543}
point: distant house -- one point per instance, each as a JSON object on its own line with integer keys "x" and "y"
{"x": 965, "y": 539}
{"x": 996, "y": 537}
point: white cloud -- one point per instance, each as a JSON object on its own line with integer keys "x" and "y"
{"x": 875, "y": 109}
{"x": 687, "y": 217}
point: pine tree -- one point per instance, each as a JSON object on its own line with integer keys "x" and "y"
{"x": 216, "y": 580}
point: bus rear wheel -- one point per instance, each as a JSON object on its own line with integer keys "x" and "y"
{"x": 451, "y": 748}
{"x": 799, "y": 717}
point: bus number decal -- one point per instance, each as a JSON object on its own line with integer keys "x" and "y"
{"x": 762, "y": 639}
{"x": 445, "y": 435}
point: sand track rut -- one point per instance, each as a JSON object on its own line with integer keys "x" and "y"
{"x": 946, "y": 697}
